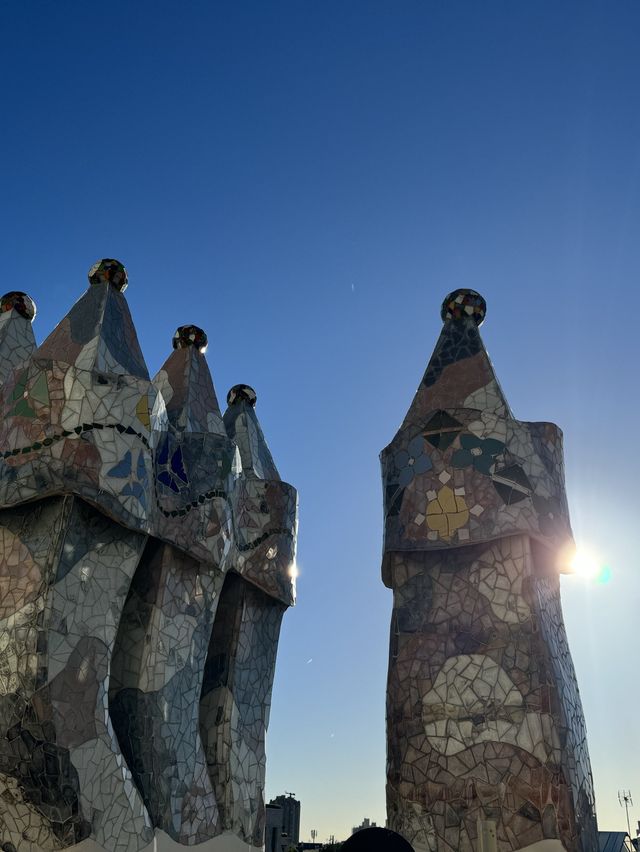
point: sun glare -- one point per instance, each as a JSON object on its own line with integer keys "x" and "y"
{"x": 294, "y": 571}
{"x": 585, "y": 563}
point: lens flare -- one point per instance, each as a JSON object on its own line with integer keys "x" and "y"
{"x": 604, "y": 576}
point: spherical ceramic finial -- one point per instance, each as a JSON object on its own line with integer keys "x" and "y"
{"x": 20, "y": 302}
{"x": 241, "y": 393}
{"x": 464, "y": 304}
{"x": 110, "y": 271}
{"x": 190, "y": 335}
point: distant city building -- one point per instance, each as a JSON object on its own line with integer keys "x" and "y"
{"x": 290, "y": 817}
{"x": 274, "y": 841}
{"x": 366, "y": 823}
{"x": 615, "y": 841}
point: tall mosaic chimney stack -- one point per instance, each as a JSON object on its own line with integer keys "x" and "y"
{"x": 486, "y": 740}
{"x": 236, "y": 694}
{"x": 119, "y": 530}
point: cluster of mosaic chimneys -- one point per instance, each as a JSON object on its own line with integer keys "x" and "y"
{"x": 147, "y": 555}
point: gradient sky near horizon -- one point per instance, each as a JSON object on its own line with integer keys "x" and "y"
{"x": 307, "y": 181}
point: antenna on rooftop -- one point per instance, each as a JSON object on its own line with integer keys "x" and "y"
{"x": 624, "y": 797}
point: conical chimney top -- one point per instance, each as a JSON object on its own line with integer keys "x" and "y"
{"x": 244, "y": 428}
{"x": 17, "y": 311}
{"x": 459, "y": 373}
{"x": 98, "y": 333}
{"x": 185, "y": 382}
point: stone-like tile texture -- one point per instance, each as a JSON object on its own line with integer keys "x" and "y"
{"x": 484, "y": 720}
{"x": 126, "y": 508}
{"x": 234, "y": 708}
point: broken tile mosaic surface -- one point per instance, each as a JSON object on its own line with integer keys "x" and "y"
{"x": 264, "y": 507}
{"x": 484, "y": 720}
{"x": 234, "y": 708}
{"x": 117, "y": 531}
{"x": 160, "y": 651}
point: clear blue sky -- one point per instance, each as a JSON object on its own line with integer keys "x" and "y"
{"x": 307, "y": 180}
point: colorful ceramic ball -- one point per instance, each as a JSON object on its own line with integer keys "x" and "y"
{"x": 464, "y": 304}
{"x": 18, "y": 301}
{"x": 109, "y": 271}
{"x": 242, "y": 393}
